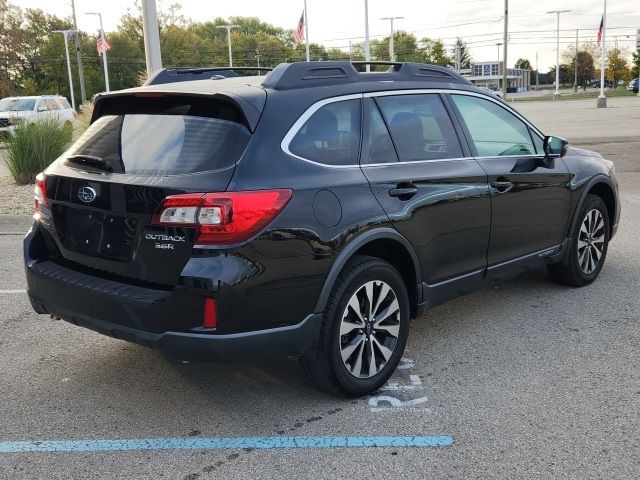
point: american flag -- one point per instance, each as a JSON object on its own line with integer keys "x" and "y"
{"x": 102, "y": 45}
{"x": 299, "y": 37}
{"x": 600, "y": 31}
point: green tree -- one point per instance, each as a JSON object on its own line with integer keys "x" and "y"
{"x": 635, "y": 68}
{"x": 524, "y": 64}
{"x": 461, "y": 50}
{"x": 586, "y": 69}
{"x": 435, "y": 52}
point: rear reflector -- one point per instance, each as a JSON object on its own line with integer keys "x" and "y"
{"x": 40, "y": 191}
{"x": 210, "y": 316}
{"x": 223, "y": 218}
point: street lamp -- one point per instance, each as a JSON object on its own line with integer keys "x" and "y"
{"x": 367, "y": 49}
{"x": 602, "y": 99}
{"x": 499, "y": 44}
{"x": 558, "y": 13}
{"x": 392, "y": 53}
{"x": 228, "y": 28}
{"x": 66, "y": 51}
{"x": 104, "y": 54}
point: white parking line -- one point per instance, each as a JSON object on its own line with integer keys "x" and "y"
{"x": 9, "y": 292}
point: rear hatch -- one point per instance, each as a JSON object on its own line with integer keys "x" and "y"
{"x": 141, "y": 148}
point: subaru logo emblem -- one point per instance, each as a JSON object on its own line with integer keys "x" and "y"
{"x": 87, "y": 194}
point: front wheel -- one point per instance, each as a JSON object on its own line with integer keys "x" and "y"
{"x": 589, "y": 244}
{"x": 364, "y": 329}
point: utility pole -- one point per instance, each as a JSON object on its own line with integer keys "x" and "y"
{"x": 602, "y": 99}
{"x": 151, "y": 33}
{"x": 228, "y": 28}
{"x": 392, "y": 53}
{"x": 575, "y": 80}
{"x": 258, "y": 58}
{"x": 506, "y": 40}
{"x": 66, "y": 52}
{"x": 556, "y": 95}
{"x": 350, "y": 52}
{"x": 83, "y": 93}
{"x": 367, "y": 51}
{"x": 104, "y": 54}
{"x": 638, "y": 57}
{"x": 458, "y": 58}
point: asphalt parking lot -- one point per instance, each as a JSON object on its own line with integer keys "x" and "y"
{"x": 523, "y": 380}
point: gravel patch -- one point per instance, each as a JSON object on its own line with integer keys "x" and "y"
{"x": 15, "y": 199}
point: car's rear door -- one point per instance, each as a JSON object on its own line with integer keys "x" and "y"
{"x": 530, "y": 195}
{"x": 434, "y": 193}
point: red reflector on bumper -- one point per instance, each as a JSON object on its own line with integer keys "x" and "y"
{"x": 210, "y": 317}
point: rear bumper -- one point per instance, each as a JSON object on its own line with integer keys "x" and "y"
{"x": 138, "y": 314}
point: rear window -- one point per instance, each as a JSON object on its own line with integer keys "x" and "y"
{"x": 166, "y": 142}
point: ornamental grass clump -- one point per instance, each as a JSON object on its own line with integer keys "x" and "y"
{"x": 33, "y": 146}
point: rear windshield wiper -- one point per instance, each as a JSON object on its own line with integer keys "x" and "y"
{"x": 91, "y": 161}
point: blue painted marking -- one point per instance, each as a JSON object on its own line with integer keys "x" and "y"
{"x": 220, "y": 443}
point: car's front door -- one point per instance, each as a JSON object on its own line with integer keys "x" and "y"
{"x": 530, "y": 195}
{"x": 433, "y": 192}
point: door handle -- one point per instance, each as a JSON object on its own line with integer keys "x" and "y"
{"x": 501, "y": 186}
{"x": 404, "y": 191}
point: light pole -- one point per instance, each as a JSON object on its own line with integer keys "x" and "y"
{"x": 505, "y": 41}
{"x": 556, "y": 95}
{"x": 66, "y": 51}
{"x": 104, "y": 54}
{"x": 392, "y": 53}
{"x": 367, "y": 50}
{"x": 499, "y": 44}
{"x": 76, "y": 37}
{"x": 229, "y": 28}
{"x": 152, "y": 54}
{"x": 575, "y": 73}
{"x": 602, "y": 99}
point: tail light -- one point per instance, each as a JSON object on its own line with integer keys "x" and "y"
{"x": 40, "y": 192}
{"x": 222, "y": 218}
{"x": 210, "y": 314}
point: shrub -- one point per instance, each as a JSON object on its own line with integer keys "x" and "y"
{"x": 33, "y": 146}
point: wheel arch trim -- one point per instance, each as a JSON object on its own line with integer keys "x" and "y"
{"x": 586, "y": 190}
{"x": 352, "y": 247}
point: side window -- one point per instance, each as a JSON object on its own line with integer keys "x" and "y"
{"x": 64, "y": 103}
{"x": 331, "y": 135}
{"x": 52, "y": 105}
{"x": 381, "y": 148}
{"x": 495, "y": 131}
{"x": 537, "y": 142}
{"x": 40, "y": 105}
{"x": 420, "y": 127}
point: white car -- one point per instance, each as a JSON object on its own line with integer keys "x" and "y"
{"x": 31, "y": 109}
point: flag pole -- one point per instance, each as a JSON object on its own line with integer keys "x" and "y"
{"x": 602, "y": 99}
{"x": 306, "y": 31}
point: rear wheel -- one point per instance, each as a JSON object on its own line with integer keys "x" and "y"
{"x": 364, "y": 329}
{"x": 589, "y": 243}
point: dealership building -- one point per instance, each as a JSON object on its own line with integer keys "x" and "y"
{"x": 489, "y": 75}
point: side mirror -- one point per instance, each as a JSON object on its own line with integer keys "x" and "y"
{"x": 555, "y": 147}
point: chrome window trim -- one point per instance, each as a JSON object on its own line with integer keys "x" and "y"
{"x": 284, "y": 144}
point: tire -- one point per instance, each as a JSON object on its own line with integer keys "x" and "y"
{"x": 589, "y": 237}
{"x": 336, "y": 368}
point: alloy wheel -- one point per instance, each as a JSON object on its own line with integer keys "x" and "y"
{"x": 369, "y": 329}
{"x": 591, "y": 238}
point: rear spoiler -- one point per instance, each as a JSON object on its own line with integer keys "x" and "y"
{"x": 174, "y": 75}
{"x": 122, "y": 102}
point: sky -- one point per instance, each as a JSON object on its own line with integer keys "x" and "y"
{"x": 335, "y": 22}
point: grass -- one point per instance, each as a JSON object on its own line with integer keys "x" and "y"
{"x": 33, "y": 146}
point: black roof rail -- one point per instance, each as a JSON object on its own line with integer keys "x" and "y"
{"x": 313, "y": 74}
{"x": 174, "y": 75}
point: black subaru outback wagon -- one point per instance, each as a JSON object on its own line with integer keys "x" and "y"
{"x": 310, "y": 212}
